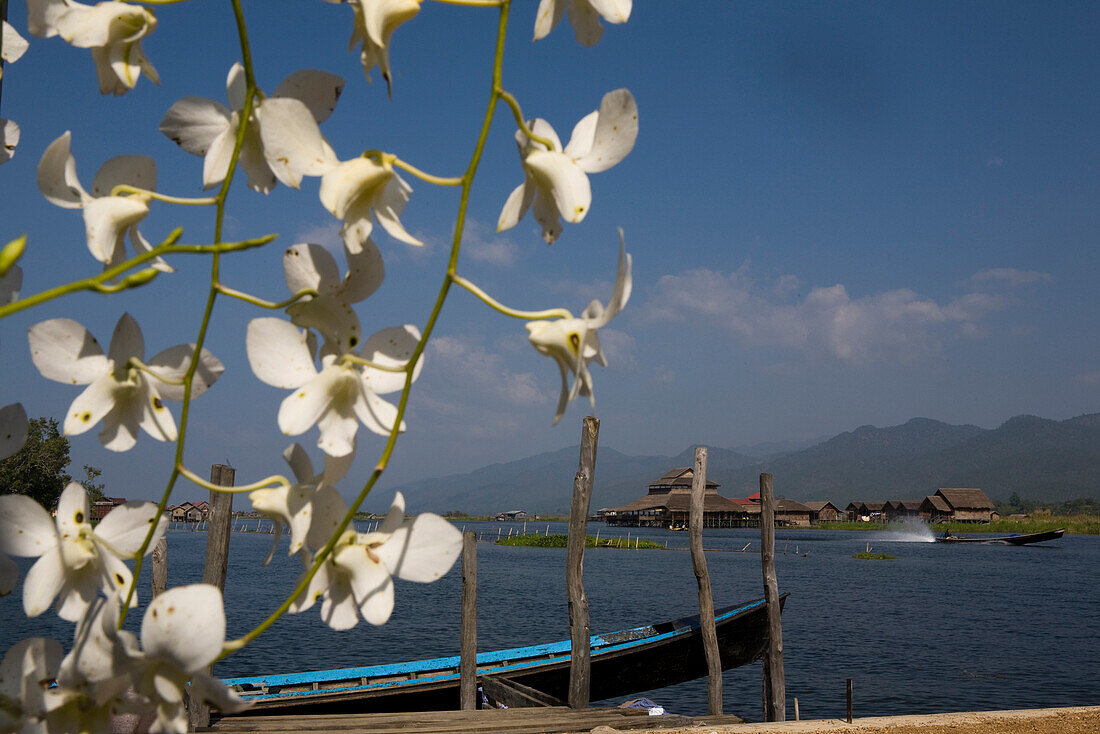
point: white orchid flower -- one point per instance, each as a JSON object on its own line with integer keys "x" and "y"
{"x": 25, "y": 671}
{"x": 313, "y": 495}
{"x": 342, "y": 394}
{"x": 583, "y": 14}
{"x": 12, "y": 45}
{"x": 93, "y": 678}
{"x": 313, "y": 267}
{"x": 73, "y": 559}
{"x": 557, "y": 181}
{"x": 119, "y": 392}
{"x": 182, "y": 632}
{"x": 112, "y": 30}
{"x": 9, "y": 139}
{"x": 13, "y": 429}
{"x": 374, "y": 24}
{"x": 356, "y": 188}
{"x": 107, "y": 218}
{"x": 282, "y": 141}
{"x": 573, "y": 342}
{"x": 357, "y": 578}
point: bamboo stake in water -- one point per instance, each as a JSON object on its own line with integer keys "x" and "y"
{"x": 468, "y": 656}
{"x": 579, "y": 659}
{"x": 776, "y": 699}
{"x": 702, "y": 578}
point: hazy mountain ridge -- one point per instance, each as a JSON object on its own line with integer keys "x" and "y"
{"x": 1039, "y": 458}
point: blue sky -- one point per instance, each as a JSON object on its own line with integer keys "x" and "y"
{"x": 840, "y": 214}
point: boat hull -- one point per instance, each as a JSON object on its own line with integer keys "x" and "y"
{"x": 1009, "y": 539}
{"x": 622, "y": 663}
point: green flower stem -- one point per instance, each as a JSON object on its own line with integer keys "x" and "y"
{"x": 553, "y": 313}
{"x": 520, "y": 121}
{"x": 271, "y": 482}
{"x": 139, "y": 365}
{"x": 188, "y": 379}
{"x": 352, "y": 359}
{"x": 438, "y": 180}
{"x": 128, "y": 189}
{"x": 226, "y": 291}
{"x": 101, "y": 283}
{"x": 433, "y": 317}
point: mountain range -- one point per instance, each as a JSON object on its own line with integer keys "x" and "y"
{"x": 1037, "y": 458}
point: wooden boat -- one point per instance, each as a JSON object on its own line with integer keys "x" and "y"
{"x": 1007, "y": 539}
{"x": 623, "y": 662}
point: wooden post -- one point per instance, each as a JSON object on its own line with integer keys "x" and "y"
{"x": 468, "y": 660}
{"x": 796, "y": 718}
{"x": 849, "y": 687}
{"x": 216, "y": 566}
{"x": 702, "y": 578}
{"x": 579, "y": 658}
{"x": 776, "y": 704}
{"x": 160, "y": 567}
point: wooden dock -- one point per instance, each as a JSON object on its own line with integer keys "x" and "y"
{"x": 544, "y": 720}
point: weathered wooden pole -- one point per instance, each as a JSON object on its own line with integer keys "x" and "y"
{"x": 776, "y": 702}
{"x": 579, "y": 658}
{"x": 702, "y": 578}
{"x": 216, "y": 566}
{"x": 848, "y": 685}
{"x": 160, "y": 567}
{"x": 467, "y": 669}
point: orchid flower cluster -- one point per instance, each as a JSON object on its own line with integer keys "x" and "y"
{"x": 335, "y": 375}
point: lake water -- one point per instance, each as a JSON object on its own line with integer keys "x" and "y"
{"x": 941, "y": 628}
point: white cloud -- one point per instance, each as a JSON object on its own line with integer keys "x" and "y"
{"x": 891, "y": 326}
{"x": 1090, "y": 378}
{"x": 1010, "y": 276}
{"x": 476, "y": 374}
{"x": 663, "y": 375}
{"x": 618, "y": 347}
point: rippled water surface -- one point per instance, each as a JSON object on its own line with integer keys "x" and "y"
{"x": 941, "y": 628}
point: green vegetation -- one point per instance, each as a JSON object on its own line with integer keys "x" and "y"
{"x": 560, "y": 541}
{"x": 869, "y": 556}
{"x": 1016, "y": 506}
{"x": 1038, "y": 523}
{"x": 38, "y": 469}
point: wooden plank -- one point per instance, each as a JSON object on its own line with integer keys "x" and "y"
{"x": 580, "y": 657}
{"x": 160, "y": 567}
{"x": 775, "y": 706}
{"x": 468, "y": 655}
{"x": 702, "y": 579}
{"x": 500, "y": 689}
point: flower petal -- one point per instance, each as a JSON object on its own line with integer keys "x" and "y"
{"x": 9, "y": 139}
{"x": 329, "y": 509}
{"x": 13, "y": 429}
{"x": 57, "y": 175}
{"x": 105, "y": 220}
{"x": 615, "y": 132}
{"x": 91, "y": 406}
{"x": 126, "y": 526}
{"x": 303, "y": 407}
{"x": 339, "y": 610}
{"x": 373, "y": 590}
{"x": 298, "y": 460}
{"x": 256, "y": 168}
{"x": 43, "y": 583}
{"x": 156, "y": 419}
{"x": 172, "y": 364}
{"x": 292, "y": 142}
{"x": 134, "y": 170}
{"x": 559, "y": 176}
{"x": 25, "y": 528}
{"x": 236, "y": 86}
{"x": 376, "y": 414}
{"x": 613, "y": 11}
{"x": 194, "y": 123}
{"x": 11, "y": 283}
{"x": 120, "y": 428}
{"x": 338, "y": 429}
{"x": 185, "y": 626}
{"x": 9, "y": 576}
{"x": 366, "y": 271}
{"x": 317, "y": 90}
{"x": 13, "y": 44}
{"x": 391, "y": 202}
{"x": 64, "y": 351}
{"x": 279, "y": 353}
{"x": 126, "y": 341}
{"x": 216, "y": 164}
{"x": 348, "y": 182}
{"x": 310, "y": 267}
{"x": 517, "y": 204}
{"x": 548, "y": 15}
{"x": 586, "y": 23}
{"x": 422, "y": 549}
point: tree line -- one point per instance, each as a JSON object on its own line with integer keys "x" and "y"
{"x": 38, "y": 470}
